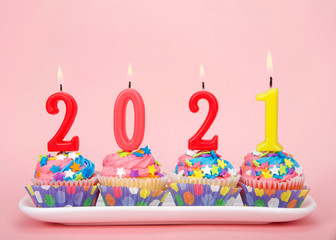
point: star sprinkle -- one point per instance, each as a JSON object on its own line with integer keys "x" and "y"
{"x": 134, "y": 173}
{"x": 54, "y": 169}
{"x": 41, "y": 156}
{"x": 159, "y": 174}
{"x": 198, "y": 173}
{"x": 146, "y": 150}
{"x": 207, "y": 170}
{"x": 69, "y": 174}
{"x": 232, "y": 171}
{"x": 291, "y": 171}
{"x": 255, "y": 163}
{"x": 266, "y": 175}
{"x": 124, "y": 154}
{"x": 288, "y": 163}
{"x": 138, "y": 154}
{"x": 60, "y": 157}
{"x": 214, "y": 170}
{"x": 58, "y": 176}
{"x": 221, "y": 163}
{"x": 120, "y": 172}
{"x": 38, "y": 174}
{"x": 151, "y": 170}
{"x": 298, "y": 170}
{"x": 189, "y": 164}
{"x": 43, "y": 161}
{"x": 274, "y": 170}
{"x": 75, "y": 167}
{"x": 223, "y": 172}
{"x": 79, "y": 176}
{"x": 157, "y": 162}
{"x": 73, "y": 155}
{"x": 282, "y": 169}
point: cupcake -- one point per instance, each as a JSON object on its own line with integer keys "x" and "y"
{"x": 132, "y": 179}
{"x": 272, "y": 179}
{"x": 67, "y": 179}
{"x": 203, "y": 178}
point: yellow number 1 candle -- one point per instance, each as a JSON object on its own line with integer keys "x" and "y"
{"x": 271, "y": 115}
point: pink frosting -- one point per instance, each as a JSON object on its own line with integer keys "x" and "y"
{"x": 131, "y": 162}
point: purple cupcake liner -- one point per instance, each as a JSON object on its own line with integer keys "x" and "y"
{"x": 188, "y": 194}
{"x": 128, "y": 196}
{"x": 273, "y": 198}
{"x": 63, "y": 196}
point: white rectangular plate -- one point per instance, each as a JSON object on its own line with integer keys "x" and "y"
{"x": 167, "y": 214}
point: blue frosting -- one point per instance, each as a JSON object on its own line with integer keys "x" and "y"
{"x": 87, "y": 171}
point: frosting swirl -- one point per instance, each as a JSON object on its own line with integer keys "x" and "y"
{"x": 275, "y": 166}
{"x": 139, "y": 163}
{"x": 204, "y": 164}
{"x": 65, "y": 166}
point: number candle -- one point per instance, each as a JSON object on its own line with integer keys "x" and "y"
{"x": 120, "y": 106}
{"x": 57, "y": 143}
{"x": 271, "y": 115}
{"x": 196, "y": 142}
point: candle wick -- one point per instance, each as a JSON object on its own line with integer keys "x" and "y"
{"x": 129, "y": 84}
{"x": 61, "y": 88}
{"x": 271, "y": 82}
{"x": 203, "y": 85}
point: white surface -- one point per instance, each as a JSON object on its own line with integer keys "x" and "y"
{"x": 167, "y": 214}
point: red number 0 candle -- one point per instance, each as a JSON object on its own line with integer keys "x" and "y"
{"x": 120, "y": 120}
{"x": 196, "y": 142}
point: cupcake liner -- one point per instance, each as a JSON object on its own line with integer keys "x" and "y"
{"x": 131, "y": 196}
{"x": 63, "y": 196}
{"x": 188, "y": 194}
{"x": 295, "y": 183}
{"x": 84, "y": 182}
{"x": 273, "y": 198}
{"x": 146, "y": 183}
{"x": 228, "y": 182}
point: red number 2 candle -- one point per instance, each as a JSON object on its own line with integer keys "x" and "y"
{"x": 120, "y": 106}
{"x": 196, "y": 142}
{"x": 57, "y": 143}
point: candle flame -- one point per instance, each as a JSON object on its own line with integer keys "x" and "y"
{"x": 130, "y": 71}
{"x": 60, "y": 80}
{"x": 269, "y": 64}
{"x": 202, "y": 72}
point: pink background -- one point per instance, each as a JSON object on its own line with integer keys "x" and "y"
{"x": 166, "y": 41}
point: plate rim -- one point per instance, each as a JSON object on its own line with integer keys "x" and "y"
{"x": 306, "y": 209}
